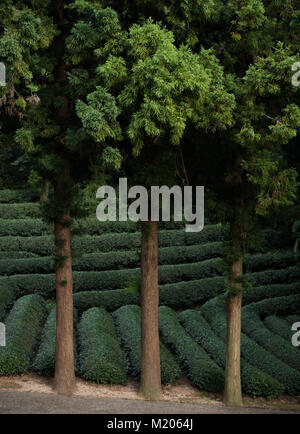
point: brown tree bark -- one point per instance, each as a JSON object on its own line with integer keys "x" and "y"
{"x": 233, "y": 388}
{"x": 45, "y": 192}
{"x": 150, "y": 387}
{"x": 64, "y": 381}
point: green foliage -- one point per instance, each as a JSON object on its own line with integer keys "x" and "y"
{"x": 23, "y": 328}
{"x": 279, "y": 327}
{"x": 44, "y": 362}
{"x": 195, "y": 362}
{"x": 254, "y": 327}
{"x": 18, "y": 196}
{"x": 128, "y": 323}
{"x": 215, "y": 314}
{"x": 254, "y": 382}
{"x": 259, "y": 293}
{"x": 7, "y": 297}
{"x": 101, "y": 358}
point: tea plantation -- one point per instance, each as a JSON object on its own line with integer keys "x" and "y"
{"x": 106, "y": 300}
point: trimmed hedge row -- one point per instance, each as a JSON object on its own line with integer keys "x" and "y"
{"x": 279, "y": 326}
{"x": 279, "y": 305}
{"x": 195, "y": 362}
{"x": 214, "y": 312}
{"x": 20, "y": 210}
{"x": 261, "y": 262}
{"x": 16, "y": 255}
{"x": 23, "y": 329}
{"x": 7, "y": 297}
{"x": 18, "y": 196}
{"x": 259, "y": 293}
{"x": 43, "y": 245}
{"x": 254, "y": 327}
{"x": 28, "y": 227}
{"x": 128, "y": 324}
{"x": 101, "y": 358}
{"x": 109, "y": 300}
{"x": 37, "y": 245}
{"x": 262, "y": 278}
{"x": 256, "y": 330}
{"x": 23, "y": 227}
{"x": 44, "y": 362}
{"x": 110, "y": 261}
{"x": 195, "y": 292}
{"x": 119, "y": 279}
{"x": 44, "y": 284}
{"x": 254, "y": 382}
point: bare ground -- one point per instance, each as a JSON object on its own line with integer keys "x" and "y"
{"x": 31, "y": 393}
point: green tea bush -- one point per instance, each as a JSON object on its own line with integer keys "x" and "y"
{"x": 254, "y": 381}
{"x": 109, "y": 300}
{"x": 4, "y": 255}
{"x": 254, "y": 327}
{"x": 279, "y": 326}
{"x": 214, "y": 312}
{"x": 7, "y": 297}
{"x": 101, "y": 358}
{"x": 20, "y": 210}
{"x": 195, "y": 292}
{"x": 23, "y": 329}
{"x": 23, "y": 227}
{"x": 259, "y": 293}
{"x": 195, "y": 362}
{"x": 262, "y": 262}
{"x": 268, "y": 277}
{"x": 44, "y": 362}
{"x": 128, "y": 323}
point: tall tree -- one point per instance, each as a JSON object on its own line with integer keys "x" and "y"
{"x": 53, "y": 138}
{"x": 160, "y": 90}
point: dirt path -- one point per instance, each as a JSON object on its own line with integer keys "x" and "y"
{"x": 31, "y": 393}
{"x": 12, "y": 402}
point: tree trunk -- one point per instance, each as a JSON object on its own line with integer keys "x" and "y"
{"x": 45, "y": 192}
{"x": 233, "y": 388}
{"x": 150, "y": 364}
{"x": 64, "y": 382}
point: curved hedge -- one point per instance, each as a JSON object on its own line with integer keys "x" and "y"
{"x": 279, "y": 326}
{"x": 110, "y": 261}
{"x": 7, "y": 297}
{"x": 44, "y": 284}
{"x": 20, "y": 210}
{"x": 101, "y": 358}
{"x": 260, "y": 293}
{"x": 44, "y": 362}
{"x": 23, "y": 329}
{"x": 260, "y": 262}
{"x": 195, "y": 292}
{"x": 128, "y": 323}
{"x": 214, "y": 312}
{"x": 195, "y": 362}
{"x": 107, "y": 242}
{"x": 254, "y": 382}
{"x": 254, "y": 327}
{"x": 279, "y": 305}
{"x": 262, "y": 278}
